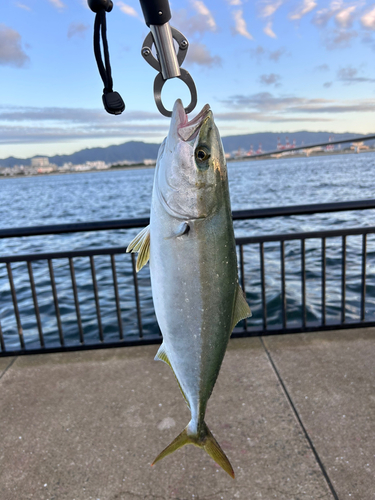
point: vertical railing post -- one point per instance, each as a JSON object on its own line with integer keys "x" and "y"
{"x": 303, "y": 282}
{"x": 56, "y": 301}
{"x": 15, "y": 306}
{"x": 2, "y": 343}
{"x": 76, "y": 301}
{"x": 263, "y": 285}
{"x": 363, "y": 283}
{"x": 117, "y": 297}
{"x": 242, "y": 276}
{"x": 36, "y": 306}
{"x": 136, "y": 291}
{"x": 283, "y": 292}
{"x": 96, "y": 294}
{"x": 343, "y": 279}
{"x": 324, "y": 270}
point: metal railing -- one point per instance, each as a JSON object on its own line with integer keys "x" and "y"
{"x": 253, "y": 247}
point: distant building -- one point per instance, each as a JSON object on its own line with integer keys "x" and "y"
{"x": 149, "y": 161}
{"x": 40, "y": 161}
{"x": 98, "y": 165}
{"x": 330, "y": 147}
{"x": 287, "y": 145}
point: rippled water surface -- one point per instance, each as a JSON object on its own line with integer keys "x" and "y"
{"x": 125, "y": 194}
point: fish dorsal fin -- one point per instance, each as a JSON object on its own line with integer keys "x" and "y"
{"x": 241, "y": 308}
{"x": 162, "y": 355}
{"x": 141, "y": 244}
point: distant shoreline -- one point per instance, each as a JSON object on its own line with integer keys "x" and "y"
{"x": 284, "y": 156}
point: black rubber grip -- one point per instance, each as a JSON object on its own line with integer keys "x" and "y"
{"x": 156, "y": 12}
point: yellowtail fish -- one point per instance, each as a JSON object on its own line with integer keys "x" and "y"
{"x": 193, "y": 266}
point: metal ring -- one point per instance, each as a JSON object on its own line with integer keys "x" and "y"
{"x": 159, "y": 84}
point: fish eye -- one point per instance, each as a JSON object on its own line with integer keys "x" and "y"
{"x": 201, "y": 154}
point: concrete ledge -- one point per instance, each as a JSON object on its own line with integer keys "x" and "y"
{"x": 330, "y": 377}
{"x": 87, "y": 425}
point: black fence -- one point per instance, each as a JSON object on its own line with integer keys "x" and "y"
{"x": 274, "y": 311}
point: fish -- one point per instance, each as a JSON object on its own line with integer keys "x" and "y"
{"x": 193, "y": 267}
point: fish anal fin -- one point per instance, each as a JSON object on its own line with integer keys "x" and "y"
{"x": 206, "y": 441}
{"x": 141, "y": 244}
{"x": 162, "y": 355}
{"x": 241, "y": 308}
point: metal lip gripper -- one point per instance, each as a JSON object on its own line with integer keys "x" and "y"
{"x": 168, "y": 64}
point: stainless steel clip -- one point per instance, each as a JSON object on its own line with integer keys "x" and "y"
{"x": 168, "y": 63}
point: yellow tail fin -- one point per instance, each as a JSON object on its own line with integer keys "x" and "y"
{"x": 206, "y": 441}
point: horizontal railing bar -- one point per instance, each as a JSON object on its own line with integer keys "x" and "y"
{"x": 239, "y": 241}
{"x": 63, "y": 255}
{"x": 305, "y": 236}
{"x": 76, "y": 227}
{"x": 315, "y": 208}
{"x": 257, "y": 213}
{"x": 154, "y": 340}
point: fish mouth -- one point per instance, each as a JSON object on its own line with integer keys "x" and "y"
{"x": 188, "y": 130}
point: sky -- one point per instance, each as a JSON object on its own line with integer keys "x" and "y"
{"x": 264, "y": 65}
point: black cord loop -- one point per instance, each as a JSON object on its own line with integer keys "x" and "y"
{"x": 112, "y": 101}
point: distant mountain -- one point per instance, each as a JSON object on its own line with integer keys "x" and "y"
{"x": 139, "y": 151}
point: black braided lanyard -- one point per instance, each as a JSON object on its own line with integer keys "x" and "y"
{"x": 112, "y": 101}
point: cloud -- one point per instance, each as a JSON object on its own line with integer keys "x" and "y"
{"x": 338, "y": 38}
{"x": 261, "y": 117}
{"x": 199, "y": 54}
{"x": 201, "y": 9}
{"x": 322, "y": 67}
{"x": 327, "y": 85}
{"x": 306, "y": 7}
{"x": 344, "y": 18}
{"x": 32, "y": 124}
{"x": 271, "y": 79}
{"x": 323, "y": 16}
{"x": 270, "y": 7}
{"x": 32, "y": 135}
{"x": 240, "y": 26}
{"x": 23, "y": 6}
{"x": 198, "y": 23}
{"x": 268, "y": 30}
{"x": 368, "y": 20}
{"x": 349, "y": 76}
{"x": 11, "y": 51}
{"x": 68, "y": 115}
{"x": 127, "y": 9}
{"x": 260, "y": 52}
{"x": 77, "y": 29}
{"x": 234, "y": 2}
{"x": 58, "y": 4}
{"x": 265, "y": 102}
{"x": 276, "y": 54}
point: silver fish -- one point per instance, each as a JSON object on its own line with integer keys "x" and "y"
{"x": 193, "y": 266}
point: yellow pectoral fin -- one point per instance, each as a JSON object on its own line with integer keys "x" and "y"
{"x": 141, "y": 244}
{"x": 241, "y": 308}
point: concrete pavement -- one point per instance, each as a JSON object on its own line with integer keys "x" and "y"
{"x": 295, "y": 415}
